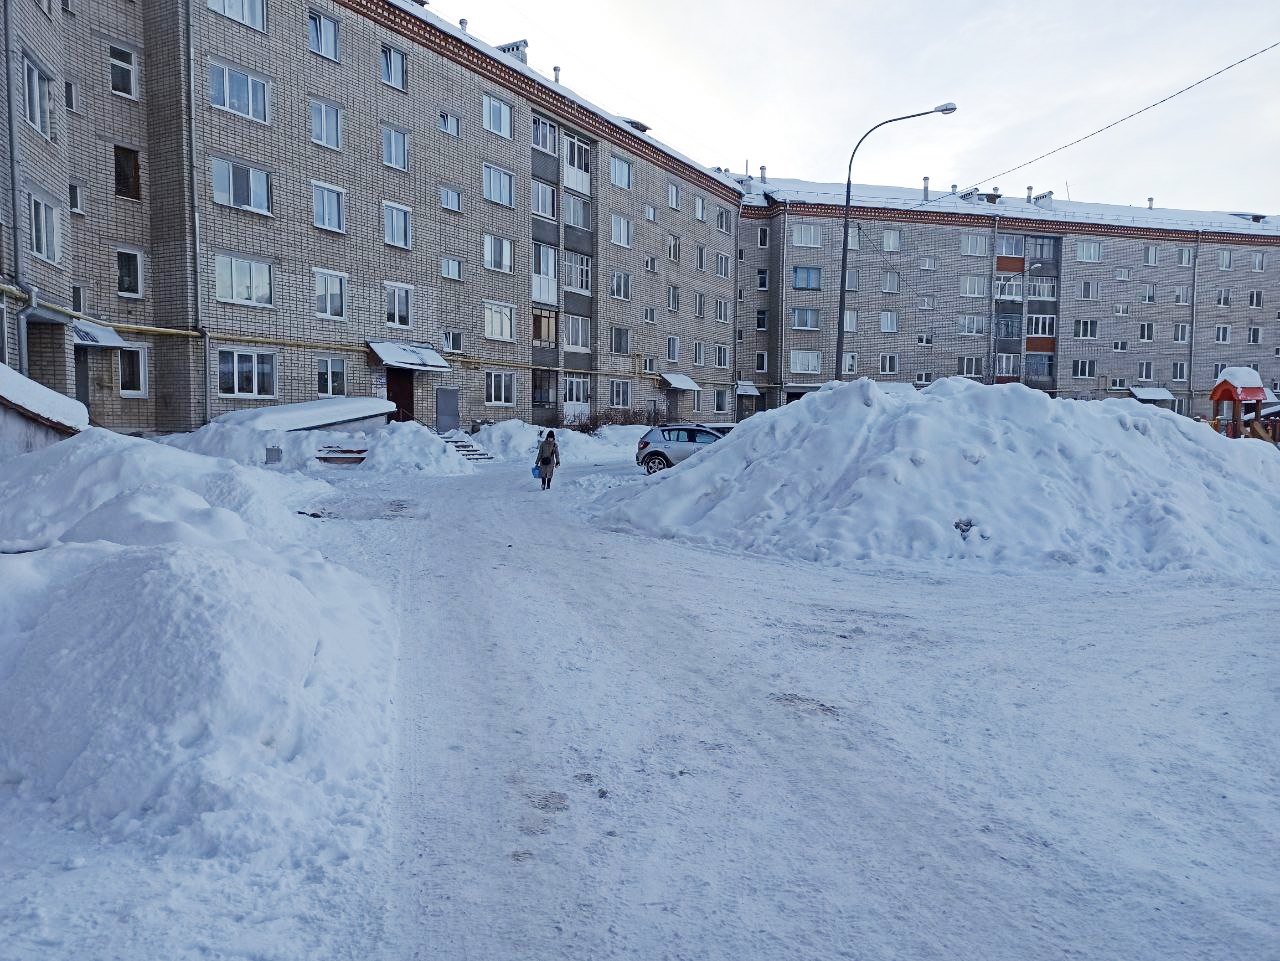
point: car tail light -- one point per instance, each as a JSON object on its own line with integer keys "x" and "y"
{"x": 642, "y": 445}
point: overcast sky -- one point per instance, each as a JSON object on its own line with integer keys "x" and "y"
{"x": 793, "y": 85}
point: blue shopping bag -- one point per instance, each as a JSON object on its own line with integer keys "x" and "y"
{"x": 537, "y": 472}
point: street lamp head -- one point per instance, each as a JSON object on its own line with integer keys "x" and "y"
{"x": 945, "y": 108}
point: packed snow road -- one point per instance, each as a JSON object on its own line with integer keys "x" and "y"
{"x": 611, "y": 746}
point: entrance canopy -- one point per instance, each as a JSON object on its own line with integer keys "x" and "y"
{"x": 747, "y": 389}
{"x": 408, "y": 356}
{"x": 1151, "y": 395}
{"x": 85, "y": 333}
{"x": 680, "y": 382}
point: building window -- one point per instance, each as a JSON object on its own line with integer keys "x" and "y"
{"x": 1224, "y": 259}
{"x": 807, "y": 278}
{"x": 620, "y": 172}
{"x": 1009, "y": 245}
{"x": 928, "y": 262}
{"x": 577, "y": 272}
{"x": 544, "y": 330}
{"x": 1259, "y": 262}
{"x": 576, "y": 212}
{"x": 762, "y": 279}
{"x": 722, "y": 311}
{"x": 673, "y": 248}
{"x": 850, "y": 320}
{"x": 331, "y": 377}
{"x": 394, "y": 67}
{"x": 723, "y": 221}
{"x": 451, "y": 199}
{"x": 1041, "y": 288}
{"x": 124, "y": 72}
{"x": 128, "y": 173}
{"x": 35, "y": 97}
{"x": 546, "y": 136}
{"x": 328, "y": 207}
{"x": 806, "y": 235}
{"x": 449, "y": 123}
{"x": 239, "y": 185}
{"x": 924, "y": 340}
{"x": 451, "y": 268}
{"x": 1255, "y": 299}
{"x": 699, "y": 304}
{"x": 499, "y": 185}
{"x": 673, "y": 196}
{"x": 497, "y": 116}
{"x": 888, "y": 363}
{"x": 1181, "y": 295}
{"x": 762, "y": 362}
{"x": 973, "y": 285}
{"x": 238, "y": 92}
{"x": 971, "y": 324}
{"x": 1179, "y": 370}
{"x": 497, "y": 253}
{"x": 1086, "y": 329}
{"x": 762, "y": 236}
{"x": 132, "y": 362}
{"x": 722, "y": 356}
{"x": 44, "y": 230}
{"x": 1146, "y": 331}
{"x": 499, "y": 389}
{"x": 1042, "y": 325}
{"x": 577, "y": 164}
{"x": 699, "y": 208}
{"x": 326, "y": 125}
{"x": 673, "y": 349}
{"x": 892, "y": 240}
{"x": 926, "y": 301}
{"x": 973, "y": 245}
{"x": 1089, "y": 251}
{"x": 673, "y": 297}
{"x": 1083, "y": 369}
{"x": 699, "y": 352}
{"x": 1181, "y": 333}
{"x": 498, "y": 321}
{"x": 720, "y": 398}
{"x": 1222, "y": 334}
{"x": 395, "y": 148}
{"x": 722, "y": 265}
{"x": 1150, "y": 255}
{"x": 1089, "y": 290}
{"x": 322, "y": 35}
{"x": 243, "y": 373}
{"x": 620, "y": 340}
{"x": 577, "y": 333}
{"x": 620, "y": 286}
{"x": 1218, "y": 369}
{"x": 1120, "y": 346}
{"x": 1255, "y": 335}
{"x": 77, "y": 304}
{"x": 888, "y": 321}
{"x": 890, "y": 282}
{"x": 397, "y": 225}
{"x": 252, "y": 13}
{"x": 129, "y": 280}
{"x": 1120, "y": 310}
{"x": 331, "y": 294}
{"x": 452, "y": 341}
{"x": 619, "y": 393}
{"x": 240, "y": 280}
{"x": 804, "y": 318}
{"x": 71, "y": 96}
{"x": 399, "y": 304}
{"x": 1007, "y": 365}
{"x": 806, "y": 361}
{"x": 1224, "y": 297}
{"x": 1144, "y": 370}
{"x": 543, "y": 200}
{"x": 762, "y": 320}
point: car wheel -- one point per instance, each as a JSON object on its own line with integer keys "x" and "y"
{"x": 655, "y": 463}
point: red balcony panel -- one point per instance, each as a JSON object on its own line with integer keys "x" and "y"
{"x": 1010, "y": 265}
{"x": 1041, "y": 345}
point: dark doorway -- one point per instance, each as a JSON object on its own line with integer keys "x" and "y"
{"x": 400, "y": 392}
{"x": 446, "y": 409}
{"x": 82, "y": 375}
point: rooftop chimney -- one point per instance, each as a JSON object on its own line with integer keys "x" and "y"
{"x": 763, "y": 179}
{"x": 953, "y": 187}
{"x": 926, "y": 188}
{"x": 517, "y": 50}
{"x": 556, "y": 71}
{"x": 1151, "y": 203}
{"x": 994, "y": 196}
{"x": 463, "y": 25}
{"x": 1029, "y": 192}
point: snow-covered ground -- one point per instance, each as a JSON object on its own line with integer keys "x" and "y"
{"x": 611, "y": 745}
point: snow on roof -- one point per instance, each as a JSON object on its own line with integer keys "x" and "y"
{"x": 784, "y": 190}
{"x": 40, "y": 402}
{"x": 85, "y": 333}
{"x": 747, "y": 389}
{"x": 680, "y": 382}
{"x": 1151, "y": 393}
{"x": 310, "y": 414}
{"x": 622, "y": 123}
{"x": 394, "y": 353}
{"x": 1241, "y": 377}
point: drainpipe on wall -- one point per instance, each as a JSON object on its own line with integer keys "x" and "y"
{"x": 989, "y": 375}
{"x": 190, "y": 137}
{"x": 782, "y": 302}
{"x": 19, "y": 274}
{"x": 1191, "y": 333}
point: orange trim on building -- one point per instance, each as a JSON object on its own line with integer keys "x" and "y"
{"x": 1041, "y": 345}
{"x": 1010, "y": 265}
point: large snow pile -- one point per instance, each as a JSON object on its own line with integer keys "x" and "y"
{"x": 515, "y": 440}
{"x": 401, "y": 446}
{"x": 173, "y": 667}
{"x": 1004, "y": 474}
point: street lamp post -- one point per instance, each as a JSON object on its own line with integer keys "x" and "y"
{"x": 946, "y": 108}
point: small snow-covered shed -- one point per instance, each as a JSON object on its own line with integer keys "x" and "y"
{"x": 33, "y": 416}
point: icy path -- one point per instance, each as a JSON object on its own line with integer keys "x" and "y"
{"x": 613, "y": 747}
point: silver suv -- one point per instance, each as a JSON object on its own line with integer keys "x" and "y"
{"x": 669, "y": 444}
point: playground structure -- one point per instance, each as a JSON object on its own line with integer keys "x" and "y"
{"x": 1239, "y": 386}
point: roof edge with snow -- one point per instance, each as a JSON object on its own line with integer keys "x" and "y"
{"x": 41, "y": 404}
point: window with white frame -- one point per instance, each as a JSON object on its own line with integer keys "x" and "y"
{"x": 1259, "y": 261}
{"x": 1181, "y": 333}
{"x": 973, "y": 245}
{"x": 850, "y": 320}
{"x": 577, "y": 272}
{"x": 132, "y": 364}
{"x": 451, "y": 268}
{"x": 1041, "y": 288}
{"x": 543, "y": 200}
{"x": 806, "y": 361}
{"x": 1255, "y": 299}
{"x": 699, "y": 304}
{"x": 124, "y": 71}
{"x": 71, "y": 96}
{"x": 1179, "y": 371}
{"x": 623, "y": 232}
{"x": 1224, "y": 259}
{"x": 497, "y": 253}
{"x": 326, "y": 125}
{"x": 35, "y": 97}
{"x": 129, "y": 272}
{"x": 331, "y": 294}
{"x": 1118, "y": 383}
{"x": 497, "y": 116}
{"x": 890, "y": 281}
{"x": 1009, "y": 245}
{"x": 673, "y": 248}
{"x": 577, "y": 390}
{"x": 246, "y": 373}
{"x": 399, "y": 299}
{"x": 971, "y": 324}
{"x": 1086, "y": 329}
{"x": 238, "y": 91}
{"x": 762, "y": 320}
{"x": 1122, "y": 273}
{"x": 1007, "y": 365}
{"x": 892, "y": 240}
{"x": 620, "y": 172}
{"x": 1218, "y": 369}
{"x": 1150, "y": 255}
{"x": 850, "y": 364}
{"x": 807, "y": 278}
{"x": 577, "y": 333}
{"x": 1119, "y": 346}
{"x": 619, "y": 393}
{"x": 499, "y": 388}
{"x": 1255, "y": 335}
{"x": 674, "y": 195}
{"x": 1222, "y": 334}
{"x": 851, "y": 278}
{"x": 1144, "y": 370}
{"x": 397, "y": 225}
{"x": 1147, "y": 331}
{"x": 762, "y": 236}
{"x": 924, "y": 340}
{"x": 395, "y": 148}
{"x": 697, "y": 400}
{"x": 322, "y": 35}
{"x": 1042, "y": 325}
{"x": 498, "y": 321}
{"x": 331, "y": 376}
{"x": 722, "y": 265}
{"x": 1089, "y": 251}
{"x": 673, "y": 349}
{"x": 577, "y": 164}
{"x": 851, "y": 240}
{"x": 1224, "y": 297}
{"x": 448, "y": 123}
{"x": 499, "y": 185}
{"x": 620, "y": 285}
{"x": 620, "y": 340}
{"x": 973, "y": 285}
{"x": 394, "y": 67}
{"x": 45, "y": 230}
{"x": 722, "y": 355}
{"x": 1084, "y": 369}
{"x": 327, "y": 207}
{"x": 699, "y": 208}
{"x": 576, "y": 212}
{"x": 546, "y": 136}
{"x": 699, "y": 354}
{"x": 928, "y": 262}
{"x": 762, "y": 278}
{"x": 722, "y": 311}
{"x": 1181, "y": 295}
{"x": 1184, "y": 256}
{"x": 651, "y": 264}
{"x": 242, "y": 280}
{"x": 1120, "y": 310}
{"x": 888, "y": 321}
{"x": 252, "y": 13}
{"x": 720, "y": 399}
{"x": 451, "y": 198}
{"x": 888, "y": 363}
{"x": 926, "y": 302}
{"x": 1089, "y": 290}
{"x": 804, "y": 318}
{"x": 762, "y": 362}
{"x": 673, "y": 297}
{"x": 806, "y": 235}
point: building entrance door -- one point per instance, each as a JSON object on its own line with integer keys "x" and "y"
{"x": 82, "y": 375}
{"x": 446, "y": 409}
{"x": 400, "y": 392}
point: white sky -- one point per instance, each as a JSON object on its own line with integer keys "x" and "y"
{"x": 794, "y": 85}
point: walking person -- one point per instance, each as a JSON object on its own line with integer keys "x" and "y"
{"x": 548, "y": 458}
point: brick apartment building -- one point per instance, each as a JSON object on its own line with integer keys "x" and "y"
{"x": 223, "y": 204}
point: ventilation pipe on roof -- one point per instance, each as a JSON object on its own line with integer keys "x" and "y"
{"x": 763, "y": 178}
{"x": 994, "y": 196}
{"x": 556, "y": 71}
{"x": 1044, "y": 200}
{"x": 1029, "y": 192}
{"x": 462, "y": 24}
{"x": 926, "y": 188}
{"x": 953, "y": 187}
{"x": 1151, "y": 203}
